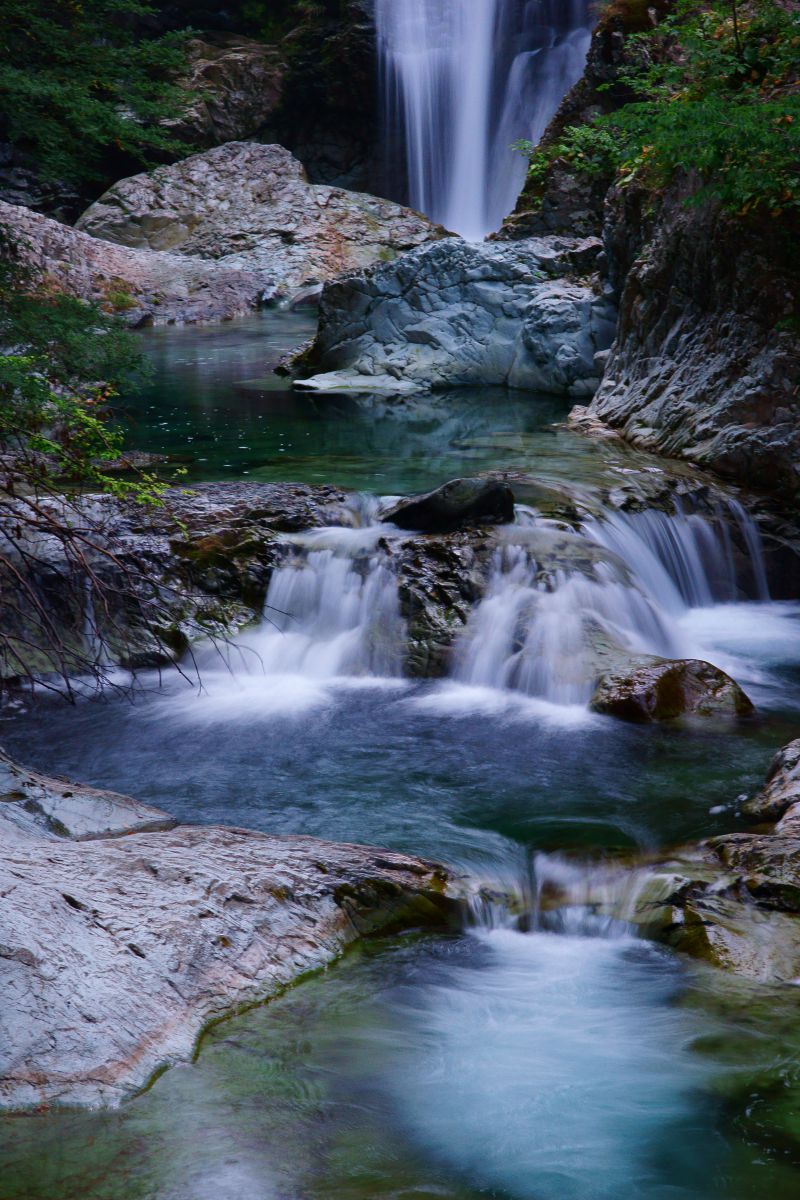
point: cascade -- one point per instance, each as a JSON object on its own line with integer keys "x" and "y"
{"x": 547, "y": 633}
{"x": 461, "y": 81}
{"x": 331, "y": 610}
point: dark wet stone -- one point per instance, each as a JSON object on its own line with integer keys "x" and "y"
{"x": 459, "y": 502}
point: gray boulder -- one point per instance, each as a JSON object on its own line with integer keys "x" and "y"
{"x": 527, "y": 314}
{"x": 116, "y": 952}
{"x": 459, "y": 502}
{"x": 140, "y": 286}
{"x": 249, "y": 207}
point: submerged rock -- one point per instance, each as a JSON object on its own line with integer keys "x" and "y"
{"x": 249, "y": 207}
{"x": 525, "y": 314}
{"x": 662, "y": 689}
{"x": 116, "y": 952}
{"x": 459, "y": 502}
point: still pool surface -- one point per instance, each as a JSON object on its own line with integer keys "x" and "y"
{"x": 575, "y": 1062}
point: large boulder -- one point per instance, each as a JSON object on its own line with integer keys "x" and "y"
{"x": 459, "y": 502}
{"x": 116, "y": 952}
{"x": 656, "y": 689}
{"x": 249, "y": 207}
{"x": 138, "y": 285}
{"x": 527, "y": 314}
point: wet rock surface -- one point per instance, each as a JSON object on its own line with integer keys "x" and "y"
{"x": 706, "y": 361}
{"x": 43, "y": 804}
{"x": 459, "y": 502}
{"x": 527, "y": 314}
{"x": 249, "y": 207}
{"x": 655, "y": 689}
{"x": 116, "y": 952}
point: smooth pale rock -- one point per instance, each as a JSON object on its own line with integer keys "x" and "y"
{"x": 660, "y": 689}
{"x": 61, "y": 808}
{"x": 523, "y": 314}
{"x": 115, "y": 953}
{"x": 140, "y": 286}
{"x": 249, "y": 207}
{"x": 459, "y": 502}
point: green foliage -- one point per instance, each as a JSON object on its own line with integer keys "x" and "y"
{"x": 61, "y": 363}
{"x": 715, "y": 92}
{"x": 80, "y": 81}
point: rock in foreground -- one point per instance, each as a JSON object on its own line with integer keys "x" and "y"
{"x": 527, "y": 314}
{"x": 115, "y": 953}
{"x": 459, "y": 502}
{"x": 662, "y": 689}
{"x": 249, "y": 207}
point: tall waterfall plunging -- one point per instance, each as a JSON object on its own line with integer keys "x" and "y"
{"x": 462, "y": 80}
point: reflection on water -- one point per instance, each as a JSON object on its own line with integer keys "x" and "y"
{"x": 214, "y": 403}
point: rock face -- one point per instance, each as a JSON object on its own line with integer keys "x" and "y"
{"x": 116, "y": 952}
{"x": 662, "y": 689}
{"x": 199, "y": 565}
{"x": 525, "y": 315}
{"x": 460, "y": 502}
{"x": 140, "y": 286}
{"x": 249, "y": 207}
{"x": 237, "y": 84}
{"x": 706, "y": 362}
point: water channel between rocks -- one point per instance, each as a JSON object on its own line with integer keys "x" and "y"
{"x": 572, "y": 1062}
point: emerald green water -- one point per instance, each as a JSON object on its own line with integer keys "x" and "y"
{"x": 213, "y": 404}
{"x": 568, "y": 1065}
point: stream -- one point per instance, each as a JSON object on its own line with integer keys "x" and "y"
{"x": 573, "y": 1061}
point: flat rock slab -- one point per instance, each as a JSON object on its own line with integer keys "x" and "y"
{"x": 115, "y": 953}
{"x": 59, "y": 808}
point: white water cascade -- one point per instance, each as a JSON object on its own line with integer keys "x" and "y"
{"x": 462, "y": 80}
{"x": 548, "y": 632}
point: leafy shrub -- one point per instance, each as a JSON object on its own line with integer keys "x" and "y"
{"x": 715, "y": 92}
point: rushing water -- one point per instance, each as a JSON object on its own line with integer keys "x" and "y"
{"x": 561, "y": 1057}
{"x": 463, "y": 80}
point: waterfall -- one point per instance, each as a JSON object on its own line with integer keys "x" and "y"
{"x": 548, "y": 632}
{"x": 461, "y": 81}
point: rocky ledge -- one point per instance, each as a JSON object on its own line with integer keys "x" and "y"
{"x": 529, "y": 314}
{"x": 117, "y": 951}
